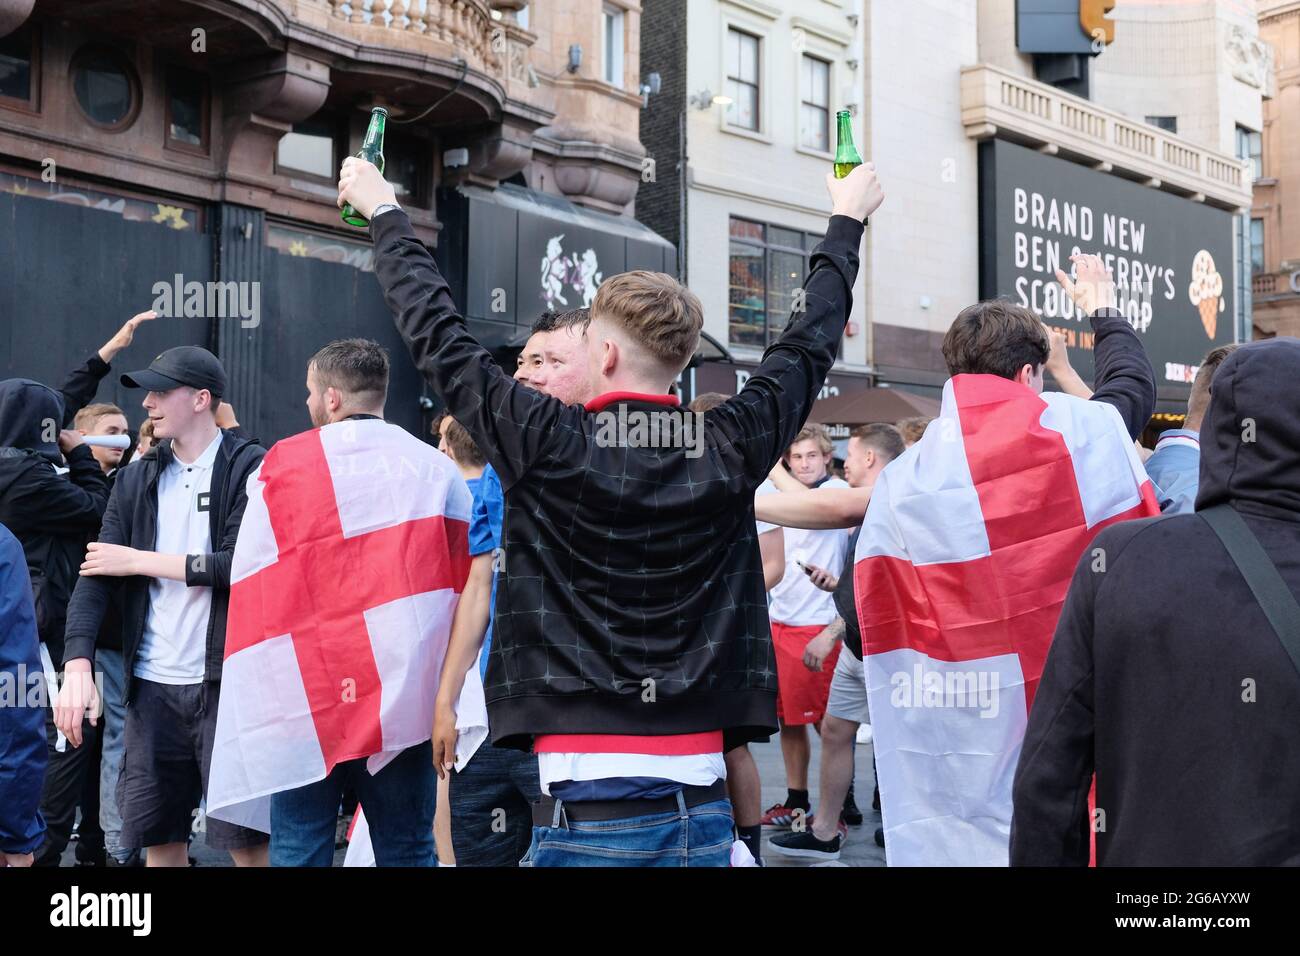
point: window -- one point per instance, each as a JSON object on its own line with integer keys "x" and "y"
{"x": 19, "y": 69}
{"x": 187, "y": 111}
{"x": 1167, "y": 123}
{"x": 105, "y": 88}
{"x": 1250, "y": 146}
{"x": 311, "y": 148}
{"x": 406, "y": 161}
{"x": 768, "y": 265}
{"x": 612, "y": 45}
{"x": 1257, "y": 245}
{"x": 815, "y": 109}
{"x": 742, "y": 79}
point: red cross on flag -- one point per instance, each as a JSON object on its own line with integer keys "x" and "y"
{"x": 350, "y": 560}
{"x": 962, "y": 567}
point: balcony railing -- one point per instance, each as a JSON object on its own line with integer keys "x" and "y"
{"x": 464, "y": 28}
{"x": 1275, "y": 284}
{"x": 996, "y": 101}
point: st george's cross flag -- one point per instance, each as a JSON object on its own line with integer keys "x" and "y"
{"x": 350, "y": 561}
{"x": 962, "y": 567}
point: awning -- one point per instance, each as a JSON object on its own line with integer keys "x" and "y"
{"x": 872, "y": 405}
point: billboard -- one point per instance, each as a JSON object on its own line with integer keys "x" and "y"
{"x": 1171, "y": 257}
{"x": 1064, "y": 26}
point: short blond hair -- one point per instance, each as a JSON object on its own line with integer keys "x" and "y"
{"x": 89, "y": 417}
{"x": 660, "y": 313}
{"x": 813, "y": 431}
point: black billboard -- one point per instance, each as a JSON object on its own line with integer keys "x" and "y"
{"x": 1171, "y": 257}
{"x": 1063, "y": 26}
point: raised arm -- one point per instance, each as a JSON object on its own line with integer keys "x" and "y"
{"x": 509, "y": 422}
{"x": 773, "y": 405}
{"x": 82, "y": 383}
{"x": 1124, "y": 376}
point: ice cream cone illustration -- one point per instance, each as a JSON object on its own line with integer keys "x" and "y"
{"x": 1206, "y": 291}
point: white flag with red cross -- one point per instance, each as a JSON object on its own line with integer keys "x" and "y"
{"x": 962, "y": 567}
{"x": 350, "y": 561}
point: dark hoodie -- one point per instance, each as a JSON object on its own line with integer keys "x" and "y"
{"x": 50, "y": 514}
{"x": 1165, "y": 677}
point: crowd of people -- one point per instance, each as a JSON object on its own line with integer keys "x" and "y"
{"x": 534, "y": 646}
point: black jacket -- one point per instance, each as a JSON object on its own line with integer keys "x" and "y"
{"x": 132, "y": 520}
{"x": 50, "y": 514}
{"x": 1164, "y": 676}
{"x": 624, "y": 565}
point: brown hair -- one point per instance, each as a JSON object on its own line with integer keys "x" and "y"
{"x": 464, "y": 451}
{"x": 813, "y": 431}
{"x": 884, "y": 439}
{"x": 353, "y": 366}
{"x": 912, "y": 428}
{"x": 661, "y": 314}
{"x": 89, "y": 416}
{"x": 995, "y": 337}
{"x": 1199, "y": 400}
{"x": 706, "y": 401}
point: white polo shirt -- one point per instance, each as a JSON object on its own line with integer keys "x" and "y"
{"x": 795, "y": 600}
{"x": 173, "y": 649}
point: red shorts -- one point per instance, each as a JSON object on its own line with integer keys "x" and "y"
{"x": 801, "y": 694}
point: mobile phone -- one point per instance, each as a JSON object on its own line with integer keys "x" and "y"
{"x": 806, "y": 570}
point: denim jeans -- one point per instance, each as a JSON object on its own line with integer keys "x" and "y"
{"x": 113, "y": 724}
{"x": 699, "y": 836}
{"x": 491, "y": 807}
{"x": 398, "y": 802}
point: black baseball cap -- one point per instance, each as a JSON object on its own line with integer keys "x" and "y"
{"x": 184, "y": 365}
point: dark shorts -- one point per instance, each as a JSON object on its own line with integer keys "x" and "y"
{"x": 167, "y": 752}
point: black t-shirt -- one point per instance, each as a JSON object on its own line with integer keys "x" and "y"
{"x": 844, "y": 605}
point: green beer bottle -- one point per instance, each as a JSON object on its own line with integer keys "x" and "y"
{"x": 847, "y": 156}
{"x": 372, "y": 150}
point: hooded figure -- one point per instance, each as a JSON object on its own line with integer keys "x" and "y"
{"x": 50, "y": 514}
{"x": 1165, "y": 678}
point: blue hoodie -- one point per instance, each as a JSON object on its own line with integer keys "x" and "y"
{"x": 22, "y": 727}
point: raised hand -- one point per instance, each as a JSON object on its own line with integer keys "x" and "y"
{"x": 858, "y": 194}
{"x": 125, "y": 335}
{"x": 361, "y": 184}
{"x": 1093, "y": 287}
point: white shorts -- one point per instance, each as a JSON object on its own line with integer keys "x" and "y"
{"x": 848, "y": 699}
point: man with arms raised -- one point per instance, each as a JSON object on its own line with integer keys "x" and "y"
{"x": 626, "y": 691}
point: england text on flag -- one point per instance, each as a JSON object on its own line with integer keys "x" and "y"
{"x": 962, "y": 567}
{"x": 349, "y": 564}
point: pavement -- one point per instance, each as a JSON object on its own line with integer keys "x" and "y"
{"x": 858, "y": 850}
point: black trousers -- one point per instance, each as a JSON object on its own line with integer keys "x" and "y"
{"x": 65, "y": 781}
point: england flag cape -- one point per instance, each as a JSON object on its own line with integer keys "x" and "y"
{"x": 349, "y": 564}
{"x": 961, "y": 569}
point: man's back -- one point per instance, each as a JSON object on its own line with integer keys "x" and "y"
{"x": 1165, "y": 674}
{"x": 1196, "y": 702}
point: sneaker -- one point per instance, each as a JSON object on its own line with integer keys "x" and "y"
{"x": 781, "y": 816}
{"x": 841, "y": 827}
{"x": 851, "y": 814}
{"x": 864, "y": 733}
{"x": 806, "y": 845}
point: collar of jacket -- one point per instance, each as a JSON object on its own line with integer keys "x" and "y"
{"x": 601, "y": 402}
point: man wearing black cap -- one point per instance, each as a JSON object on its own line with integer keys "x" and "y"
{"x": 165, "y": 548}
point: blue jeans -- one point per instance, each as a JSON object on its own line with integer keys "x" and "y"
{"x": 491, "y": 807}
{"x": 113, "y": 723}
{"x": 699, "y": 836}
{"x": 399, "y": 802}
